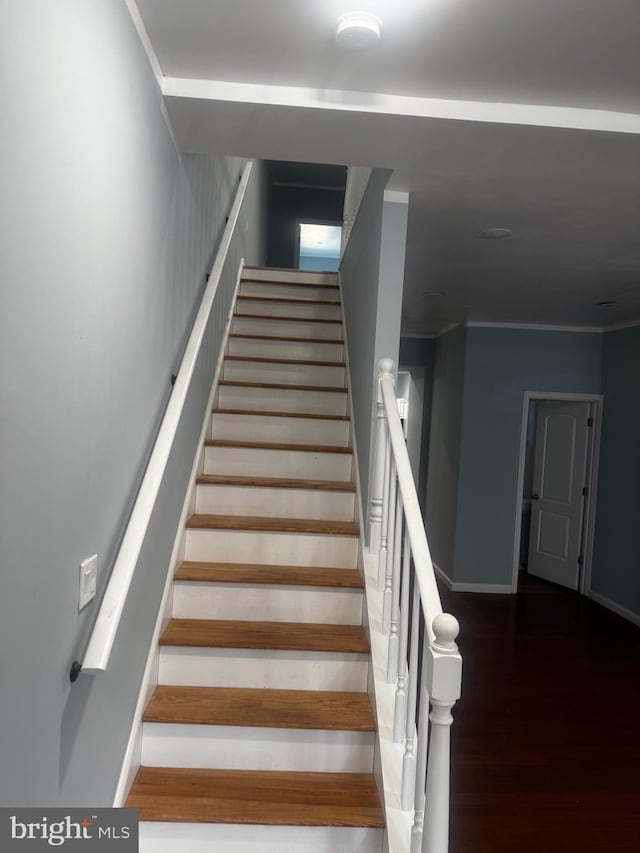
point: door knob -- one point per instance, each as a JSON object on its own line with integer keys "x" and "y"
{"x": 535, "y": 496}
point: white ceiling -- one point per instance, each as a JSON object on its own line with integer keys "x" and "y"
{"x": 522, "y": 113}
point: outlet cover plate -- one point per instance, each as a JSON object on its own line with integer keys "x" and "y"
{"x": 88, "y": 581}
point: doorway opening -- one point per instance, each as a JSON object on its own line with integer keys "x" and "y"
{"x": 557, "y": 482}
{"x": 318, "y": 246}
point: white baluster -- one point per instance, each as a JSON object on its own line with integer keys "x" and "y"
{"x": 417, "y": 830}
{"x": 409, "y": 758}
{"x": 384, "y": 529}
{"x": 443, "y": 666}
{"x": 385, "y": 366}
{"x": 391, "y": 531}
{"x": 400, "y": 712}
{"x": 394, "y": 638}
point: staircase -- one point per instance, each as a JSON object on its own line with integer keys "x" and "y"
{"x": 260, "y": 734}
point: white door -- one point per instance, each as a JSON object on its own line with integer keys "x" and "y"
{"x": 559, "y": 480}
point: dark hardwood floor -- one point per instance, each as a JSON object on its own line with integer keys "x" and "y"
{"x": 546, "y": 742}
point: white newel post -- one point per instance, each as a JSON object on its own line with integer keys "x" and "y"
{"x": 385, "y": 366}
{"x": 444, "y": 676}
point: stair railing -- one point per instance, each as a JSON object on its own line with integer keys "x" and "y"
{"x": 96, "y": 657}
{"x": 423, "y": 659}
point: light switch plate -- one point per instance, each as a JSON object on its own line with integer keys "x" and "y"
{"x": 88, "y": 581}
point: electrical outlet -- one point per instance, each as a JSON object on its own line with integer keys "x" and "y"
{"x": 88, "y": 581}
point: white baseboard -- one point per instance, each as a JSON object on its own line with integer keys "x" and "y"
{"x": 493, "y": 588}
{"x": 132, "y": 757}
{"x": 615, "y": 607}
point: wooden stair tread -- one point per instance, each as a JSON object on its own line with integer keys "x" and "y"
{"x": 265, "y": 360}
{"x": 278, "y": 299}
{"x": 285, "y": 338}
{"x": 203, "y": 521}
{"x": 279, "y": 445}
{"x": 290, "y": 283}
{"x": 256, "y": 797}
{"x": 290, "y": 636}
{"x": 275, "y": 482}
{"x": 256, "y": 573}
{"x": 266, "y": 708}
{"x": 288, "y": 319}
{"x": 333, "y": 389}
{"x": 267, "y": 414}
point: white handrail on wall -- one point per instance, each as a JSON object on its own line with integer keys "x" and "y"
{"x": 407, "y": 579}
{"x": 96, "y": 657}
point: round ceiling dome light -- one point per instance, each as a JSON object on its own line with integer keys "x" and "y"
{"x": 496, "y": 233}
{"x": 606, "y": 305}
{"x": 358, "y": 31}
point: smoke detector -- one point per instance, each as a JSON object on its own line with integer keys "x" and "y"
{"x": 358, "y": 31}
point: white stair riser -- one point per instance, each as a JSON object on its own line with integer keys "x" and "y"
{"x": 275, "y": 503}
{"x": 286, "y": 349}
{"x": 293, "y": 276}
{"x": 257, "y": 668}
{"x": 282, "y": 400}
{"x": 286, "y": 549}
{"x": 310, "y": 310}
{"x": 259, "y": 462}
{"x": 294, "y": 374}
{"x": 256, "y": 748}
{"x": 235, "y": 838}
{"x": 286, "y": 328}
{"x": 288, "y": 291}
{"x": 267, "y": 603}
{"x": 278, "y": 429}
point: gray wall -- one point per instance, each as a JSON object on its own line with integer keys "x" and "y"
{"x": 106, "y": 237}
{"x": 616, "y": 559}
{"x": 500, "y": 365}
{"x": 444, "y": 446}
{"x": 372, "y": 273}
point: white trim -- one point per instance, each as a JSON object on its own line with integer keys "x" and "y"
{"x": 445, "y": 331}
{"x": 132, "y": 756}
{"x": 143, "y": 35}
{"x": 594, "y": 456}
{"x": 486, "y": 588}
{"x": 396, "y": 197}
{"x": 618, "y": 327}
{"x": 534, "y": 327}
{"x": 96, "y": 657}
{"x": 418, "y": 336}
{"x": 615, "y": 607}
{"x": 536, "y": 115}
{"x": 138, "y": 22}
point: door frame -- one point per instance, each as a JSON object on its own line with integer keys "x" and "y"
{"x": 593, "y": 459}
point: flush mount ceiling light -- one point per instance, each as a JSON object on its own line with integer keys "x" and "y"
{"x": 496, "y": 233}
{"x": 606, "y": 305}
{"x": 358, "y": 31}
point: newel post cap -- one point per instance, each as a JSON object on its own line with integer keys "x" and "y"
{"x": 386, "y": 365}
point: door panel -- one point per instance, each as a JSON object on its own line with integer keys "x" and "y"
{"x": 558, "y": 501}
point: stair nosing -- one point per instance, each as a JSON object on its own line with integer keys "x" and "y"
{"x": 275, "y": 445}
{"x": 267, "y": 360}
{"x": 325, "y": 389}
{"x": 265, "y": 413}
{"x": 287, "y": 338}
{"x": 193, "y": 571}
{"x": 288, "y": 319}
{"x": 276, "y": 483}
{"x": 269, "y": 524}
{"x": 257, "y": 797}
{"x": 274, "y": 636}
{"x": 278, "y": 708}
{"x": 279, "y": 299}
